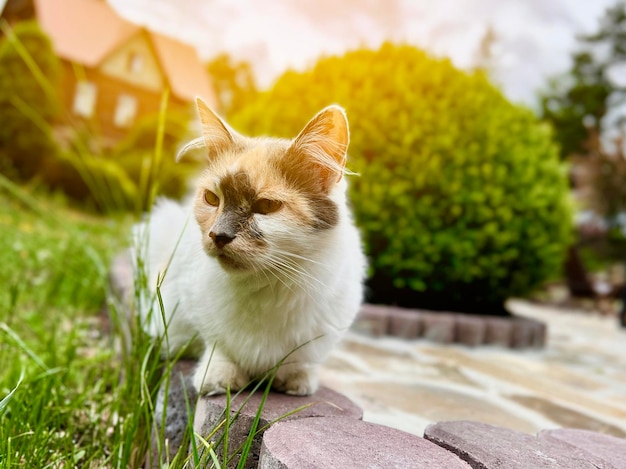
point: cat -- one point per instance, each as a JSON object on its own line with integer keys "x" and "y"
{"x": 271, "y": 267}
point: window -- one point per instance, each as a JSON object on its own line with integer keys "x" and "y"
{"x": 125, "y": 110}
{"x": 134, "y": 63}
{"x": 84, "y": 99}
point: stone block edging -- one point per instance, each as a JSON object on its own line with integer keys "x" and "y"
{"x": 449, "y": 327}
{"x": 329, "y": 432}
{"x": 487, "y": 446}
{"x": 327, "y": 442}
{"x": 324, "y": 403}
{"x": 609, "y": 451}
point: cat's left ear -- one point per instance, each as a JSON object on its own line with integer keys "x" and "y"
{"x": 325, "y": 140}
{"x": 216, "y": 136}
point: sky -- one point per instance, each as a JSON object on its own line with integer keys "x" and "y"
{"x": 533, "y": 39}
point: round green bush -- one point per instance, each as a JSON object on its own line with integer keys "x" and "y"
{"x": 461, "y": 199}
{"x": 93, "y": 181}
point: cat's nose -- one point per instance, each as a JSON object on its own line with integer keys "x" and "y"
{"x": 221, "y": 239}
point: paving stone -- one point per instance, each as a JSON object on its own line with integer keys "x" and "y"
{"x": 499, "y": 331}
{"x": 210, "y": 412}
{"x": 486, "y": 446}
{"x": 405, "y": 323}
{"x": 528, "y": 333}
{"x": 438, "y": 327}
{"x": 566, "y": 416}
{"x": 437, "y": 402}
{"x": 523, "y": 333}
{"x": 470, "y": 330}
{"x": 607, "y": 451}
{"x": 336, "y": 442}
{"x": 541, "y": 334}
{"x": 180, "y": 392}
{"x": 373, "y": 320}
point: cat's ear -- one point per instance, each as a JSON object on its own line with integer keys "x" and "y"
{"x": 324, "y": 140}
{"x": 216, "y": 136}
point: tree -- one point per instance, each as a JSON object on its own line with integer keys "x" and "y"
{"x": 486, "y": 51}
{"x": 233, "y": 81}
{"x": 580, "y": 100}
{"x": 28, "y": 100}
{"x": 607, "y": 172}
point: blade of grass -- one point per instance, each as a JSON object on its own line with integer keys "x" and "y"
{"x": 189, "y": 433}
{"x": 209, "y": 448}
{"x": 22, "y": 345}
{"x": 255, "y": 424}
{"x": 21, "y": 195}
{"x": 6, "y": 399}
{"x": 228, "y": 422}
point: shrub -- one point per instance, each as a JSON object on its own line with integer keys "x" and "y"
{"x": 95, "y": 182}
{"x": 461, "y": 198}
{"x": 125, "y": 178}
{"x": 136, "y": 156}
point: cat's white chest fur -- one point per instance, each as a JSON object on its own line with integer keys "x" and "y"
{"x": 264, "y": 267}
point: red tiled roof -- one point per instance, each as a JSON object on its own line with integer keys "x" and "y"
{"x": 87, "y": 31}
{"x": 83, "y": 31}
{"x": 186, "y": 74}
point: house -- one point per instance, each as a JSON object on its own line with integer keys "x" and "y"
{"x": 114, "y": 71}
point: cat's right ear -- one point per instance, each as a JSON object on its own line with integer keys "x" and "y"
{"x": 216, "y": 137}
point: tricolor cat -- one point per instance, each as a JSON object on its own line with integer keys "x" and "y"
{"x": 265, "y": 263}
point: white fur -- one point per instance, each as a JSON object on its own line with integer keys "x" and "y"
{"x": 249, "y": 321}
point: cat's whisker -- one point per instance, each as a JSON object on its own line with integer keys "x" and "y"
{"x": 275, "y": 274}
{"x": 306, "y": 279}
{"x": 279, "y": 268}
{"x": 288, "y": 272}
{"x": 298, "y": 256}
{"x": 295, "y": 267}
{"x": 257, "y": 271}
{"x": 295, "y": 277}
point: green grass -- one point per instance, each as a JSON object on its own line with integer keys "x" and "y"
{"x": 66, "y": 395}
{"x": 72, "y": 395}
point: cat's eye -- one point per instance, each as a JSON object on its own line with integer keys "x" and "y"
{"x": 211, "y": 198}
{"x": 265, "y": 206}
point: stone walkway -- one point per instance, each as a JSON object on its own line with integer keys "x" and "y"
{"x": 578, "y": 380}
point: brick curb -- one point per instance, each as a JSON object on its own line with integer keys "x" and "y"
{"x": 210, "y": 412}
{"x": 328, "y": 431}
{"x": 327, "y": 442}
{"x": 488, "y": 446}
{"x": 448, "y": 327}
{"x": 332, "y": 437}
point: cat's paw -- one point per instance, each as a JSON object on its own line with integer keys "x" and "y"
{"x": 297, "y": 382}
{"x": 218, "y": 377}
